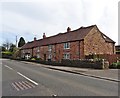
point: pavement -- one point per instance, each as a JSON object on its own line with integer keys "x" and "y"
{"x": 106, "y": 74}
{"x": 109, "y": 74}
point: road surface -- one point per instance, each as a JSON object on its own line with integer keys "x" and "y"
{"x": 25, "y": 79}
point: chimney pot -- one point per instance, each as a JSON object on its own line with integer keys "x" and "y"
{"x": 34, "y": 38}
{"x": 68, "y": 29}
{"x": 44, "y": 36}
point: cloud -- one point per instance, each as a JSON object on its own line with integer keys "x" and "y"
{"x": 31, "y": 19}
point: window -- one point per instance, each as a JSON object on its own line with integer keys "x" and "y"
{"x": 49, "y": 56}
{"x": 38, "y": 55}
{"x": 27, "y": 56}
{"x": 67, "y": 45}
{"x": 67, "y": 56}
{"x": 50, "y": 48}
{"x": 38, "y": 49}
{"x": 28, "y": 51}
{"x": 23, "y": 51}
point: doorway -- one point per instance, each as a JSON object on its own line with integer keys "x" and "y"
{"x": 44, "y": 57}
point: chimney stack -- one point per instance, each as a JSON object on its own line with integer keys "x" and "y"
{"x": 34, "y": 38}
{"x": 44, "y": 36}
{"x": 68, "y": 29}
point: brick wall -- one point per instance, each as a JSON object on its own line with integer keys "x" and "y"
{"x": 95, "y": 43}
{"x": 73, "y": 51}
{"x": 34, "y": 51}
{"x": 76, "y": 49}
{"x": 43, "y": 52}
{"x": 82, "y": 53}
{"x": 26, "y": 51}
{"x": 59, "y": 52}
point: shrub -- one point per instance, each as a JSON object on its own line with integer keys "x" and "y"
{"x": 118, "y": 65}
{"x": 7, "y": 54}
{"x": 113, "y": 65}
{"x": 38, "y": 59}
{"x": 33, "y": 59}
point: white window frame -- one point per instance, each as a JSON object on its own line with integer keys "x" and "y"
{"x": 67, "y": 45}
{"x": 38, "y": 55}
{"x": 27, "y": 56}
{"x": 38, "y": 49}
{"x": 66, "y": 55}
{"x": 49, "y": 47}
{"x": 50, "y": 56}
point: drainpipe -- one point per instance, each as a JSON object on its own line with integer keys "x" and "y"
{"x": 32, "y": 51}
{"x": 114, "y": 48}
{"x": 79, "y": 49}
{"x": 55, "y": 52}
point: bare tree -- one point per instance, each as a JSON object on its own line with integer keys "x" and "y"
{"x": 6, "y": 45}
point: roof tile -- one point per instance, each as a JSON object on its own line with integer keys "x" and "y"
{"x": 77, "y": 34}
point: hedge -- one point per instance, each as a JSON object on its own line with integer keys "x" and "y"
{"x": 115, "y": 65}
{"x": 7, "y": 54}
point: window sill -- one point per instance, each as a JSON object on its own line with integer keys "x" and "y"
{"x": 66, "y": 48}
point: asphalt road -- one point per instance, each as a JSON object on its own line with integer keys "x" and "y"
{"x": 25, "y": 79}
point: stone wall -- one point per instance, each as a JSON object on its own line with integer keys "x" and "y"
{"x": 94, "y": 42}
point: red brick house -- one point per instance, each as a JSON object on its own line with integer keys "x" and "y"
{"x": 76, "y": 44}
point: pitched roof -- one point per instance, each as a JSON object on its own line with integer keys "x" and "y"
{"x": 78, "y": 34}
{"x": 107, "y": 39}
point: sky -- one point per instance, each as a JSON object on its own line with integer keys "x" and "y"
{"x": 29, "y": 19}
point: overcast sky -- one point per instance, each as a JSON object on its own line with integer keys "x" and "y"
{"x": 30, "y": 19}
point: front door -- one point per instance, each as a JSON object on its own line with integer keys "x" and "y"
{"x": 45, "y": 57}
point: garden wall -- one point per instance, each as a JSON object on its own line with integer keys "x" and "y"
{"x": 99, "y": 64}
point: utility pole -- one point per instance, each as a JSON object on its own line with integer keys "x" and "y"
{"x": 16, "y": 41}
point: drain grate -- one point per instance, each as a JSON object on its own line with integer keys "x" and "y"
{"x": 23, "y": 85}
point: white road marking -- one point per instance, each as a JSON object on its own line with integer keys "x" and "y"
{"x": 23, "y": 75}
{"x": 29, "y": 83}
{"x": 8, "y": 67}
{"x": 17, "y": 83}
{"x": 15, "y": 87}
{"x": 28, "y": 78}
{"x": 21, "y": 84}
{"x": 26, "y": 84}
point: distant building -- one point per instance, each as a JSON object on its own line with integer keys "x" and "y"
{"x": 76, "y": 44}
{"x": 117, "y": 49}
